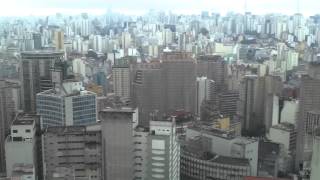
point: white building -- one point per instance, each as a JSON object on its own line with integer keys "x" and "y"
{"x": 20, "y": 145}
{"x": 205, "y": 91}
{"x": 163, "y": 159}
{"x": 225, "y": 144}
{"x": 284, "y": 133}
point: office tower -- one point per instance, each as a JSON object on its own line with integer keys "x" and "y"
{"x": 178, "y": 81}
{"x": 205, "y": 92}
{"x": 315, "y": 163}
{"x": 213, "y": 67}
{"x": 147, "y": 91}
{"x": 117, "y": 140}
{"x": 309, "y": 100}
{"x": 227, "y": 103}
{"x": 251, "y": 105}
{"x": 273, "y": 90}
{"x": 9, "y": 104}
{"x": 163, "y": 149}
{"x": 35, "y": 75}
{"x": 121, "y": 74}
{"x": 59, "y": 40}
{"x": 97, "y": 43}
{"x": 72, "y": 152}
{"x": 84, "y": 27}
{"x": 21, "y": 144}
{"x": 67, "y": 104}
{"x": 126, "y": 40}
{"x": 37, "y": 41}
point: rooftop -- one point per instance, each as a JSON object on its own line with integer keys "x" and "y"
{"x": 119, "y": 110}
{"x": 25, "y": 119}
{"x": 285, "y": 126}
{"x": 66, "y": 129}
{"x": 43, "y": 52}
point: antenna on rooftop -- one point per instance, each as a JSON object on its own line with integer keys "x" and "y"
{"x": 298, "y": 6}
{"x": 245, "y": 6}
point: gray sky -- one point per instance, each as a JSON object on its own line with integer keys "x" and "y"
{"x": 48, "y": 7}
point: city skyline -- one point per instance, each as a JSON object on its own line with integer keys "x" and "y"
{"x": 15, "y": 8}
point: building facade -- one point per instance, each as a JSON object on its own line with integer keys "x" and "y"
{"x": 72, "y": 152}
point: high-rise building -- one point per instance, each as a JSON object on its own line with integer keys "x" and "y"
{"x": 35, "y": 75}
{"x": 309, "y": 100}
{"x": 251, "y": 104}
{"x": 163, "y": 151}
{"x": 178, "y": 81}
{"x": 205, "y": 92}
{"x": 72, "y": 152}
{"x": 213, "y": 67}
{"x": 227, "y": 103}
{"x": 122, "y": 79}
{"x": 59, "y": 40}
{"x": 9, "y": 104}
{"x": 117, "y": 141}
{"x": 21, "y": 144}
{"x": 147, "y": 91}
{"x": 67, "y": 104}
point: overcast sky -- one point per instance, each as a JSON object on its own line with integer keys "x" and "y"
{"x": 49, "y": 7}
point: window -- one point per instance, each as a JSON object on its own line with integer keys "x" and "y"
{"x": 28, "y": 130}
{"x": 14, "y": 131}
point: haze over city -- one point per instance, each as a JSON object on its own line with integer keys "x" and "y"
{"x": 139, "y": 7}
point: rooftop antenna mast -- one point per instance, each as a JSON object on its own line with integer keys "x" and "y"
{"x": 298, "y": 6}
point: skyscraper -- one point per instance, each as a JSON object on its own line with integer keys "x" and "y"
{"x": 213, "y": 67}
{"x": 178, "y": 81}
{"x": 309, "y": 100}
{"x": 122, "y": 79}
{"x": 251, "y": 103}
{"x": 9, "y": 104}
{"x": 35, "y": 75}
{"x": 147, "y": 91}
{"x": 59, "y": 40}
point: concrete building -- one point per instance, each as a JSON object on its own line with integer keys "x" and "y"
{"x": 251, "y": 104}
{"x": 121, "y": 79}
{"x": 147, "y": 91}
{"x": 213, "y": 67}
{"x": 178, "y": 81}
{"x": 21, "y": 144}
{"x": 9, "y": 104}
{"x": 118, "y": 142}
{"x": 286, "y": 134}
{"x": 224, "y": 143}
{"x": 205, "y": 92}
{"x": 197, "y": 162}
{"x": 227, "y": 103}
{"x": 72, "y": 152}
{"x": 35, "y": 75}
{"x": 59, "y": 40}
{"x": 309, "y": 100}
{"x": 66, "y": 105}
{"x": 163, "y": 154}
{"x": 140, "y": 138}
